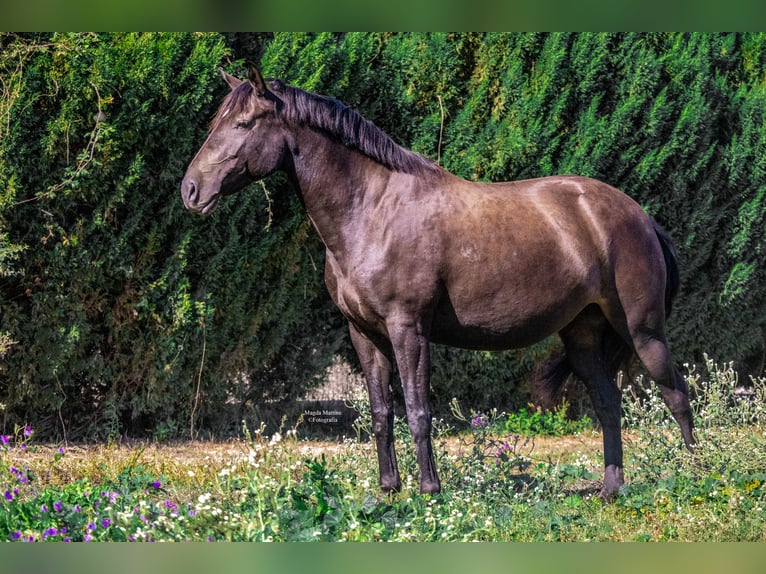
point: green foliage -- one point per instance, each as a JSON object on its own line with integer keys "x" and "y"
{"x": 494, "y": 489}
{"x": 124, "y": 311}
{"x": 122, "y": 314}
{"x": 548, "y": 423}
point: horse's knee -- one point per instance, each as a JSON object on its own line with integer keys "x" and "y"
{"x": 382, "y": 423}
{"x": 420, "y": 425}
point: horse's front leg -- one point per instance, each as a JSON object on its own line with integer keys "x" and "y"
{"x": 377, "y": 372}
{"x": 413, "y": 357}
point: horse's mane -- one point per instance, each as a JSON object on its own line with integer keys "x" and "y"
{"x": 337, "y": 120}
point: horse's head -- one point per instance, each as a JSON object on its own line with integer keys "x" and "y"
{"x": 244, "y": 144}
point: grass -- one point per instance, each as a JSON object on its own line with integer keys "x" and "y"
{"x": 497, "y": 485}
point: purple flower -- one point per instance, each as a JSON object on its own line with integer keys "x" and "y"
{"x": 28, "y": 430}
{"x": 23, "y": 446}
{"x": 50, "y": 532}
{"x": 91, "y": 526}
{"x": 5, "y": 439}
{"x": 106, "y": 522}
{"x": 77, "y": 508}
{"x": 478, "y": 422}
{"x": 156, "y": 484}
{"x": 503, "y": 453}
{"x": 8, "y": 495}
{"x": 87, "y": 538}
{"x": 57, "y": 506}
{"x": 44, "y": 508}
{"x": 14, "y": 535}
{"x": 61, "y": 450}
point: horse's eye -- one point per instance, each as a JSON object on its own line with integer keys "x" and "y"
{"x": 242, "y": 124}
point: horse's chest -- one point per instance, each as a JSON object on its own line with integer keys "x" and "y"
{"x": 369, "y": 294}
{"x": 352, "y": 294}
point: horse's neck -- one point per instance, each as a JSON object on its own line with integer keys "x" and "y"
{"x": 334, "y": 183}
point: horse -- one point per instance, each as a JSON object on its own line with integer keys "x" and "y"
{"x": 417, "y": 255}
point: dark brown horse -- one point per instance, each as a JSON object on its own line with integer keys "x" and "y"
{"x": 417, "y": 255}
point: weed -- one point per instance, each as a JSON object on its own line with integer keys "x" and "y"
{"x": 498, "y": 485}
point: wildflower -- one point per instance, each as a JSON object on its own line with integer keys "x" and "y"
{"x": 61, "y": 450}
{"x": 14, "y": 535}
{"x": 28, "y": 430}
{"x": 77, "y": 508}
{"x": 87, "y": 538}
{"x": 106, "y": 522}
{"x": 44, "y": 508}
{"x": 5, "y": 439}
{"x": 156, "y": 484}
{"x": 57, "y": 506}
{"x": 91, "y": 526}
{"x": 478, "y": 422}
{"x": 50, "y": 532}
{"x": 8, "y": 495}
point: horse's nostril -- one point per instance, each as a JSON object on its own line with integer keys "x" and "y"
{"x": 190, "y": 192}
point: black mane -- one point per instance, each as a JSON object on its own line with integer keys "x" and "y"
{"x": 337, "y": 120}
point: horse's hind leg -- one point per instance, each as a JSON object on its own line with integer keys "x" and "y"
{"x": 587, "y": 342}
{"x": 652, "y": 349}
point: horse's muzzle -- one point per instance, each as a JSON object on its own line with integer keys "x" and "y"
{"x": 191, "y": 198}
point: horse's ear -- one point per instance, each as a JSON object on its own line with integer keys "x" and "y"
{"x": 231, "y": 80}
{"x": 256, "y": 80}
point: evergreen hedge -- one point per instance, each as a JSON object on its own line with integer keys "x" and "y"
{"x": 122, "y": 314}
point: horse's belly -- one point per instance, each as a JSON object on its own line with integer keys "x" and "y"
{"x": 499, "y": 325}
{"x": 490, "y": 338}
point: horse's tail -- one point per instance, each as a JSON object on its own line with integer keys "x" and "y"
{"x": 550, "y": 380}
{"x": 548, "y": 383}
{"x": 673, "y": 279}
